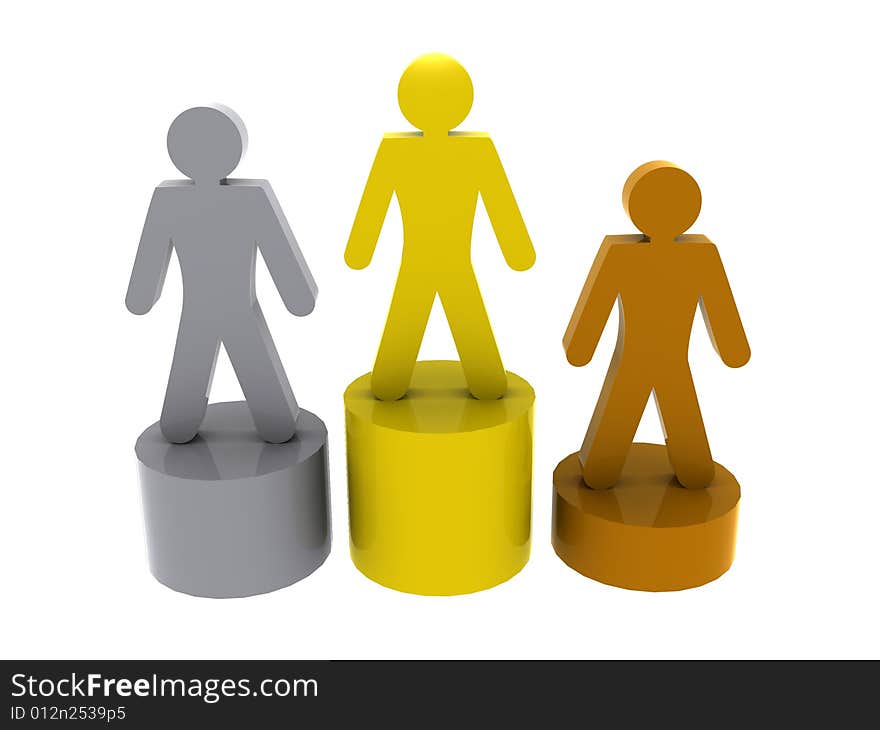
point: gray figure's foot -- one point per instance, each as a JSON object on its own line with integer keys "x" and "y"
{"x": 180, "y": 431}
{"x": 277, "y": 429}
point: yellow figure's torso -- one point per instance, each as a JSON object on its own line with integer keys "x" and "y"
{"x": 436, "y": 181}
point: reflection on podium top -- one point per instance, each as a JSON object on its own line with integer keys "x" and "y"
{"x": 438, "y": 401}
{"x": 228, "y": 447}
{"x": 647, "y": 493}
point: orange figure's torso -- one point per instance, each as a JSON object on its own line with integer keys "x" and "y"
{"x": 659, "y": 290}
{"x": 658, "y": 286}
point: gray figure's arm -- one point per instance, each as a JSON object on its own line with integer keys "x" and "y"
{"x": 151, "y": 262}
{"x": 282, "y": 255}
{"x": 373, "y": 207}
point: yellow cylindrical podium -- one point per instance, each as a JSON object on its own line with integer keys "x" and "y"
{"x": 439, "y": 483}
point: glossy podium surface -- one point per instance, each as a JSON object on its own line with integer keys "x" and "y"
{"x": 439, "y": 482}
{"x": 647, "y": 532}
{"x": 228, "y": 514}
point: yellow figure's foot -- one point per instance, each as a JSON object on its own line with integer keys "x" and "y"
{"x": 388, "y": 389}
{"x": 648, "y": 532}
{"x": 491, "y": 388}
{"x": 439, "y": 483}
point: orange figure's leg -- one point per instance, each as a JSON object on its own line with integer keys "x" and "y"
{"x": 683, "y": 427}
{"x": 402, "y": 338}
{"x": 473, "y": 337}
{"x": 614, "y": 423}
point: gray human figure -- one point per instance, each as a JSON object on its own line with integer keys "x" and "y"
{"x": 216, "y": 225}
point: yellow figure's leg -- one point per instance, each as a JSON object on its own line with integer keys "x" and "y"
{"x": 402, "y": 338}
{"x": 473, "y": 337}
{"x": 613, "y": 426}
{"x": 683, "y": 427}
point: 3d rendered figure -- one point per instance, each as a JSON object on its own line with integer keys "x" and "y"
{"x": 216, "y": 224}
{"x": 439, "y": 452}
{"x": 235, "y": 494}
{"x": 437, "y": 175}
{"x": 658, "y": 279}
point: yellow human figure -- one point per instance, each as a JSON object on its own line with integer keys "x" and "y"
{"x": 437, "y": 175}
{"x": 657, "y": 279}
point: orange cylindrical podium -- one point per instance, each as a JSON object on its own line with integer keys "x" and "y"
{"x": 647, "y": 532}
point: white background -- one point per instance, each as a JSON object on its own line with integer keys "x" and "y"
{"x": 772, "y": 108}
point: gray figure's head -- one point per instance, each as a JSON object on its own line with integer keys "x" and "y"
{"x": 206, "y": 142}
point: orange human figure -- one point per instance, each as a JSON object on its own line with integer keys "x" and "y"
{"x": 657, "y": 279}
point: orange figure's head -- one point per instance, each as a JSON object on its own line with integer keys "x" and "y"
{"x": 662, "y": 200}
{"x": 435, "y": 93}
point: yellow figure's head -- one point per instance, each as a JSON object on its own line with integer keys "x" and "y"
{"x": 661, "y": 199}
{"x": 435, "y": 93}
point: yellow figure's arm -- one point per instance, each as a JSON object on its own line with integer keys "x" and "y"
{"x": 720, "y": 314}
{"x": 592, "y": 309}
{"x": 371, "y": 211}
{"x": 507, "y": 222}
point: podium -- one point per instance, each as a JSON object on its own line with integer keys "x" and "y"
{"x": 439, "y": 483}
{"x": 235, "y": 497}
{"x": 650, "y": 517}
{"x": 647, "y": 533}
{"x": 229, "y": 515}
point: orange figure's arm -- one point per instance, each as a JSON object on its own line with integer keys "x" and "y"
{"x": 592, "y": 309}
{"x": 507, "y": 222}
{"x": 721, "y": 316}
{"x": 371, "y": 211}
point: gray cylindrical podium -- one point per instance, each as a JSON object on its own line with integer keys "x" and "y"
{"x": 230, "y": 515}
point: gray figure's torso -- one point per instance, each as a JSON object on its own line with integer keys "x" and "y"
{"x": 216, "y": 230}
{"x": 213, "y": 235}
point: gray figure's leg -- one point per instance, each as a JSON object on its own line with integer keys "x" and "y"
{"x": 189, "y": 382}
{"x": 261, "y": 375}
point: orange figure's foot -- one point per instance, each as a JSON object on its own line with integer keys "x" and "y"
{"x": 595, "y": 479}
{"x": 648, "y": 532}
{"x": 697, "y": 476}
